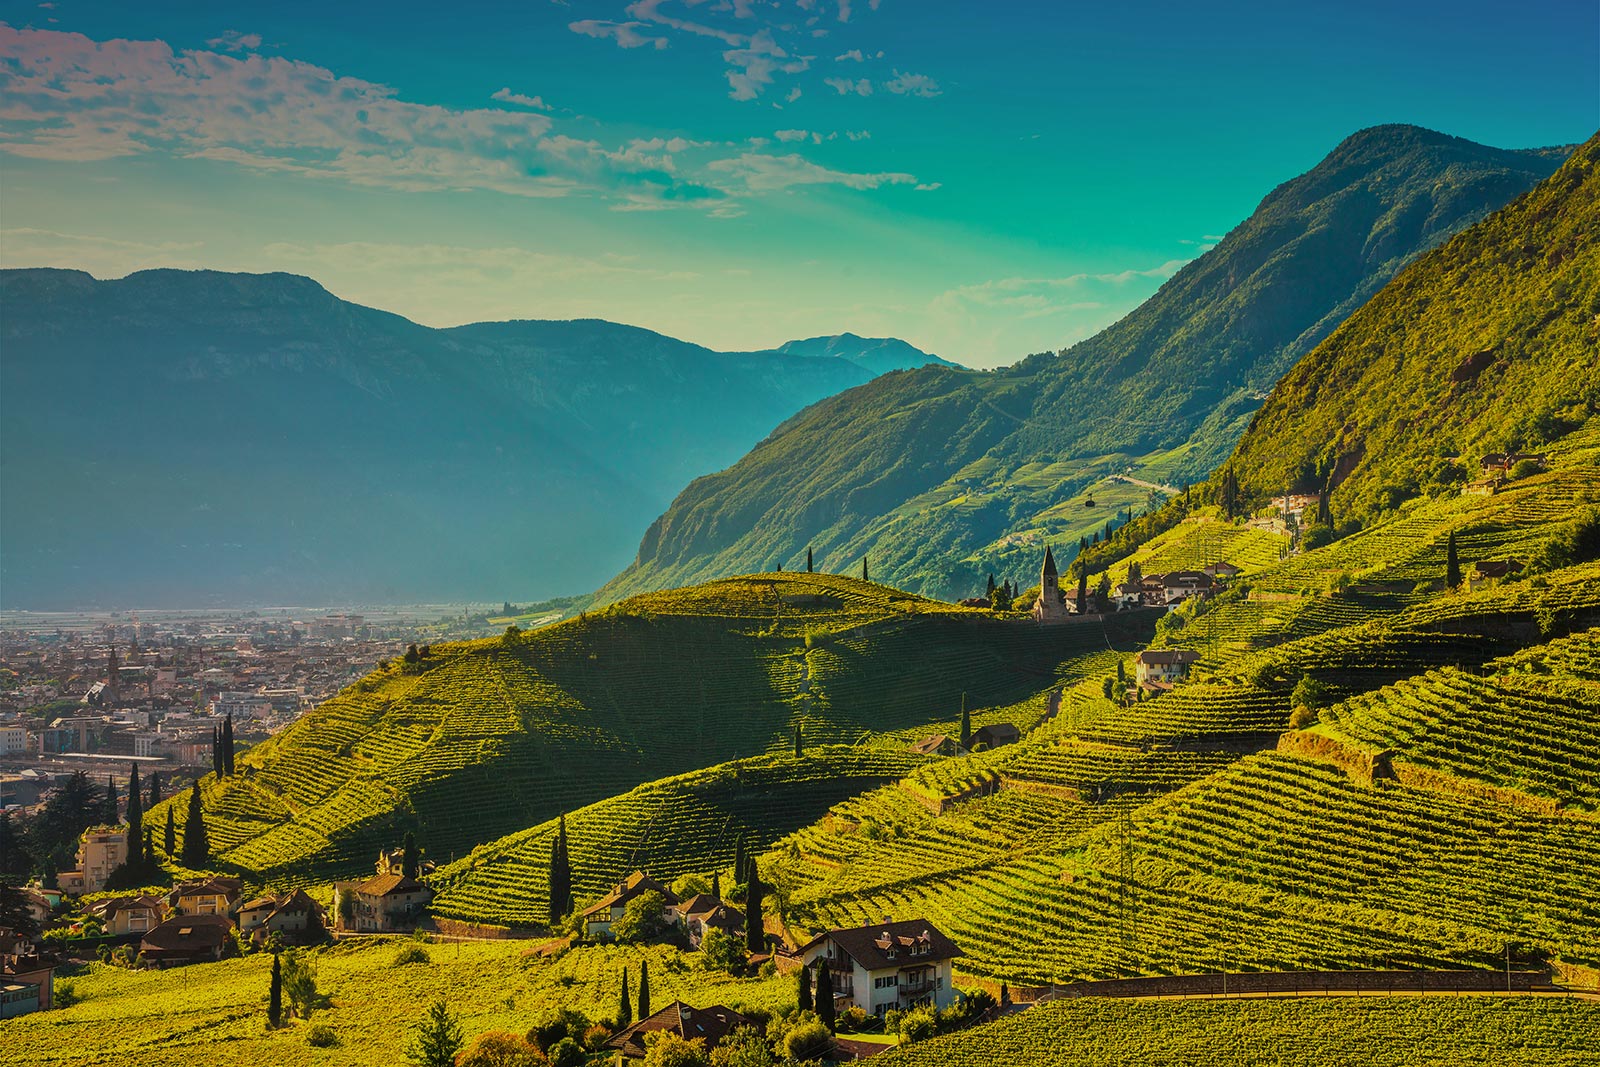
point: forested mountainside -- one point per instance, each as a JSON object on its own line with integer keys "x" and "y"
{"x": 178, "y": 438}
{"x": 943, "y": 475}
{"x": 1487, "y": 345}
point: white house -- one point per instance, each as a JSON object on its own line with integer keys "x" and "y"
{"x": 1159, "y": 669}
{"x": 887, "y": 966}
{"x": 597, "y": 918}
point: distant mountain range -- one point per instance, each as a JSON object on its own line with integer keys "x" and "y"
{"x": 179, "y": 438}
{"x": 944, "y": 474}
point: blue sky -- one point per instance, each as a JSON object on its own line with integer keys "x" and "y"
{"x": 984, "y": 179}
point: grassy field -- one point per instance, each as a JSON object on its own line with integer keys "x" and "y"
{"x": 215, "y": 1013}
{"x": 1373, "y": 1031}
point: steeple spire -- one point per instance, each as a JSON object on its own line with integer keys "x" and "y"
{"x": 1049, "y": 564}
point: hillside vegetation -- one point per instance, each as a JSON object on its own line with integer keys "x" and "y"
{"x": 944, "y": 475}
{"x": 483, "y": 739}
{"x": 1485, "y": 345}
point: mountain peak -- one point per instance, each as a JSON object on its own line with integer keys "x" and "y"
{"x": 877, "y": 354}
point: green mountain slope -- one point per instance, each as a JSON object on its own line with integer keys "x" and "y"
{"x": 313, "y": 450}
{"x": 1487, "y": 344}
{"x": 943, "y": 475}
{"x": 487, "y": 738}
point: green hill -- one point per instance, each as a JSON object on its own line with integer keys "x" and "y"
{"x": 944, "y": 475}
{"x": 1485, "y": 345}
{"x": 487, "y": 738}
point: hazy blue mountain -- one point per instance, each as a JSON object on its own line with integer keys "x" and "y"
{"x": 943, "y": 474}
{"x": 178, "y": 437}
{"x": 878, "y": 354}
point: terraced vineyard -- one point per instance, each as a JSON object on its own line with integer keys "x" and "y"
{"x": 1376, "y": 1032}
{"x": 670, "y": 827}
{"x": 495, "y": 736}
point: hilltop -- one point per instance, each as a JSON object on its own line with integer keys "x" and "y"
{"x": 1485, "y": 345}
{"x": 482, "y": 739}
{"x": 315, "y": 451}
{"x": 945, "y": 475}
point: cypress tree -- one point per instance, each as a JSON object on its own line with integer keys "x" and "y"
{"x": 196, "y": 848}
{"x": 864, "y": 577}
{"x": 560, "y": 873}
{"x": 799, "y": 749}
{"x": 966, "y": 724}
{"x": 111, "y": 801}
{"x": 990, "y": 591}
{"x": 644, "y": 990}
{"x": 169, "y": 843}
{"x": 155, "y": 789}
{"x": 624, "y": 1008}
{"x": 755, "y": 934}
{"x": 1083, "y": 590}
{"x": 1005, "y": 994}
{"x": 716, "y": 885}
{"x": 826, "y": 1011}
{"x": 136, "y": 857}
{"x": 808, "y": 560}
{"x": 1452, "y": 563}
{"x": 410, "y": 865}
{"x": 275, "y": 994}
{"x": 803, "y": 988}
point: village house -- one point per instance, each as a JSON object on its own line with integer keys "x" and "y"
{"x": 187, "y": 939}
{"x": 1222, "y": 571}
{"x": 709, "y": 1024}
{"x": 1488, "y": 570}
{"x": 598, "y": 918}
{"x": 208, "y": 896}
{"x": 295, "y": 917}
{"x": 887, "y": 966}
{"x": 383, "y": 904}
{"x": 1178, "y": 586}
{"x": 996, "y": 734}
{"x": 101, "y": 850}
{"x": 1486, "y": 487}
{"x": 27, "y": 979}
{"x": 393, "y": 861}
{"x": 128, "y": 915}
{"x": 1160, "y": 669}
{"x": 703, "y": 912}
{"x": 937, "y": 745}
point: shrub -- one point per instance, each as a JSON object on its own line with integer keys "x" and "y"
{"x": 722, "y": 951}
{"x": 808, "y": 1041}
{"x": 1309, "y": 693}
{"x": 644, "y": 917}
{"x": 411, "y": 954}
{"x": 320, "y": 1036}
{"x": 664, "y": 1048}
{"x": 1301, "y": 717}
{"x": 499, "y": 1048}
{"x": 554, "y": 1026}
{"x": 743, "y": 1047}
{"x": 1316, "y": 536}
{"x": 918, "y": 1025}
{"x": 1525, "y": 468}
{"x": 566, "y": 1053}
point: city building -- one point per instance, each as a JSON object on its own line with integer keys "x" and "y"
{"x": 101, "y": 850}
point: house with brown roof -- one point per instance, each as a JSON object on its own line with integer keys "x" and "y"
{"x": 937, "y": 745}
{"x": 996, "y": 734}
{"x": 129, "y": 915}
{"x": 207, "y": 896}
{"x": 295, "y": 917}
{"x": 887, "y": 966}
{"x": 383, "y": 904}
{"x": 1222, "y": 570}
{"x": 187, "y": 939}
{"x": 703, "y": 912}
{"x": 1162, "y": 668}
{"x": 598, "y": 917}
{"x": 709, "y": 1024}
{"x": 27, "y": 978}
{"x": 1178, "y": 586}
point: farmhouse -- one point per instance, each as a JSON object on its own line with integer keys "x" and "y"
{"x": 710, "y": 1024}
{"x": 703, "y": 912}
{"x": 383, "y": 904}
{"x": 27, "y": 980}
{"x": 996, "y": 734}
{"x": 187, "y": 939}
{"x": 209, "y": 896}
{"x": 937, "y": 745}
{"x": 1161, "y": 669}
{"x": 1222, "y": 570}
{"x": 888, "y": 966}
{"x": 293, "y": 916}
{"x": 597, "y": 918}
{"x": 128, "y": 915}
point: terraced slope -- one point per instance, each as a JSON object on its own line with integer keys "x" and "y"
{"x": 489, "y": 738}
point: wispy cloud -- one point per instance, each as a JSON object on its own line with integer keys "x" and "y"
{"x": 1042, "y": 297}
{"x": 912, "y": 85}
{"x": 626, "y": 34}
{"x": 506, "y": 96}
{"x": 233, "y": 41}
{"x": 769, "y": 173}
{"x": 845, "y": 87}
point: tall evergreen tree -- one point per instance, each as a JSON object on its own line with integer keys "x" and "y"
{"x": 864, "y": 577}
{"x": 136, "y": 857}
{"x": 716, "y": 885}
{"x": 755, "y": 934}
{"x": 410, "y": 862}
{"x": 966, "y": 724}
{"x": 1005, "y": 995}
{"x": 624, "y": 1008}
{"x": 803, "y": 988}
{"x": 1228, "y": 492}
{"x": 808, "y": 560}
{"x": 644, "y": 989}
{"x": 169, "y": 842}
{"x": 155, "y": 790}
{"x": 15, "y": 862}
{"x": 196, "y": 846}
{"x": 989, "y": 592}
{"x": 826, "y": 1010}
{"x": 799, "y": 746}
{"x": 275, "y": 994}
{"x": 1452, "y": 564}
{"x": 1083, "y": 590}
{"x": 112, "y": 811}
{"x": 560, "y": 873}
